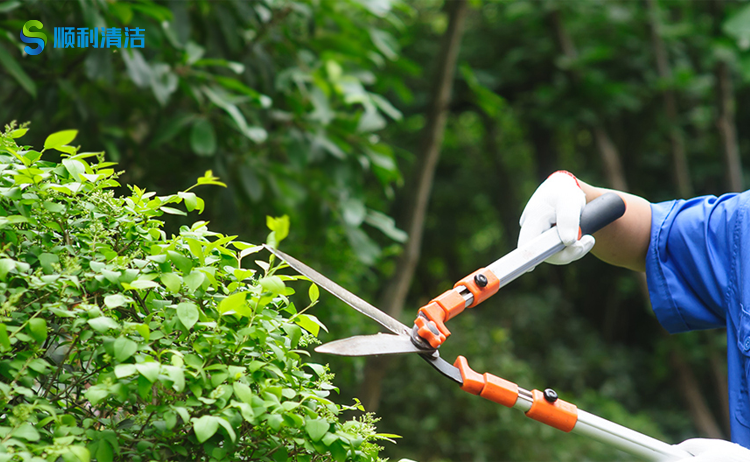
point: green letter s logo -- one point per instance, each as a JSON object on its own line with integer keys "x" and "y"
{"x": 37, "y": 38}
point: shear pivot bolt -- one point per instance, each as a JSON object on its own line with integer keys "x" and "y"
{"x": 481, "y": 280}
{"x": 550, "y": 395}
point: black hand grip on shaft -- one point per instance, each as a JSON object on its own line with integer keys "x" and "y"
{"x": 600, "y": 212}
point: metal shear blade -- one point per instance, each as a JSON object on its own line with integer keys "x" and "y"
{"x": 380, "y": 343}
{"x": 370, "y": 345}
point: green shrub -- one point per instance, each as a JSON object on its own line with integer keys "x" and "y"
{"x": 118, "y": 342}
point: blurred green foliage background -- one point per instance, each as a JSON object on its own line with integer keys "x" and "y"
{"x": 319, "y": 109}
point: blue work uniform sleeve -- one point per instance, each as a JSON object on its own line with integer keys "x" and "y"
{"x": 692, "y": 258}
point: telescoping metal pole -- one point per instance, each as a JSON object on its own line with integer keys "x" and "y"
{"x": 546, "y": 407}
{"x": 612, "y": 434}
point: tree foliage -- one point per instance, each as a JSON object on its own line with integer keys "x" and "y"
{"x": 118, "y": 342}
{"x": 281, "y": 99}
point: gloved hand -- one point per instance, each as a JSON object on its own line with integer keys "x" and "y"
{"x": 559, "y": 199}
{"x": 711, "y": 450}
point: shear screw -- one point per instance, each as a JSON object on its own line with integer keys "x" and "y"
{"x": 550, "y": 395}
{"x": 481, "y": 280}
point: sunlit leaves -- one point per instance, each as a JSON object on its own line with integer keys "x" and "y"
{"x": 235, "y": 303}
{"x": 314, "y": 293}
{"x": 280, "y": 229}
{"x": 58, "y": 139}
{"x": 209, "y": 178}
{"x": 310, "y": 323}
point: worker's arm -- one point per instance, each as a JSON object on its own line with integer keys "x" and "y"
{"x": 559, "y": 201}
{"x": 624, "y": 242}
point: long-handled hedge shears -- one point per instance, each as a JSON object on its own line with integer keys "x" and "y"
{"x": 429, "y": 332}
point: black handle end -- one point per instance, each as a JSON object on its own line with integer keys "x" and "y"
{"x": 600, "y": 212}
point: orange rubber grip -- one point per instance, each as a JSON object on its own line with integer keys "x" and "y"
{"x": 486, "y": 385}
{"x": 480, "y": 293}
{"x": 452, "y": 302}
{"x": 560, "y": 414}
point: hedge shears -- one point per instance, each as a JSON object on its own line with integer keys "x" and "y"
{"x": 429, "y": 332}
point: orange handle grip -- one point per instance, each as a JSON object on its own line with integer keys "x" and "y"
{"x": 558, "y": 413}
{"x": 482, "y": 284}
{"x": 553, "y": 412}
{"x": 486, "y": 385}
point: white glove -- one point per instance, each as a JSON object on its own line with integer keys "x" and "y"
{"x": 558, "y": 200}
{"x": 710, "y": 450}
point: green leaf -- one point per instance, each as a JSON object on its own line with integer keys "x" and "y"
{"x": 171, "y": 281}
{"x": 314, "y": 293}
{"x": 203, "y": 138}
{"x": 116, "y": 300}
{"x": 38, "y": 329}
{"x": 279, "y": 227}
{"x": 103, "y": 323}
{"x": 60, "y": 139}
{"x": 310, "y": 323}
{"x": 319, "y": 369}
{"x": 243, "y": 392}
{"x": 294, "y": 333}
{"x": 18, "y": 133}
{"x": 274, "y": 421}
{"x": 104, "y": 452}
{"x": 7, "y": 7}
{"x": 234, "y": 84}
{"x": 228, "y": 427}
{"x": 80, "y": 452}
{"x": 6, "y": 265}
{"x": 124, "y": 348}
{"x": 27, "y": 432}
{"x": 235, "y": 303}
{"x": 188, "y": 314}
{"x": 272, "y": 284}
{"x": 177, "y": 376}
{"x": 385, "y": 224}
{"x": 191, "y": 201}
{"x": 194, "y": 280}
{"x": 46, "y": 260}
{"x": 209, "y": 178}
{"x": 317, "y": 428}
{"x": 39, "y": 365}
{"x": 385, "y": 43}
{"x": 205, "y": 427}
{"x": 144, "y": 331}
{"x": 12, "y": 67}
{"x": 125, "y": 370}
{"x": 180, "y": 261}
{"x": 221, "y": 99}
{"x": 142, "y": 284}
{"x": 74, "y": 167}
{"x": 172, "y": 211}
{"x": 4, "y": 340}
{"x": 96, "y": 394}
{"x": 149, "y": 370}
